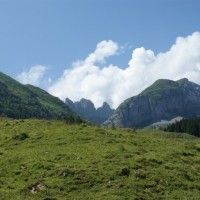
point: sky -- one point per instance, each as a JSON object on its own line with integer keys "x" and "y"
{"x": 102, "y": 50}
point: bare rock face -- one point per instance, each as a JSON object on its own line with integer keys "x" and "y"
{"x": 86, "y": 109}
{"x": 163, "y": 100}
{"x": 104, "y": 112}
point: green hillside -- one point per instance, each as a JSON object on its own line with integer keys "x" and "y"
{"x": 49, "y": 160}
{"x": 159, "y": 88}
{"x": 47, "y": 100}
{"x": 26, "y": 101}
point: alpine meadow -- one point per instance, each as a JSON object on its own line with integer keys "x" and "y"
{"x": 54, "y": 160}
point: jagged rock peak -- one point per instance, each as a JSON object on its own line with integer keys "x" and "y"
{"x": 87, "y": 110}
{"x": 86, "y": 103}
{"x": 105, "y": 105}
{"x": 69, "y": 102}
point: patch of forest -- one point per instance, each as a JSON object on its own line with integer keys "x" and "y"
{"x": 191, "y": 126}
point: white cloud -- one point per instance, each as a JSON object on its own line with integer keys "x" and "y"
{"x": 114, "y": 84}
{"x": 33, "y": 76}
{"x": 103, "y": 50}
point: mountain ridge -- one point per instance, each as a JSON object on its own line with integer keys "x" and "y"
{"x": 163, "y": 100}
{"x": 27, "y": 101}
{"x": 86, "y": 109}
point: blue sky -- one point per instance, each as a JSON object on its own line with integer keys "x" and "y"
{"x": 54, "y": 34}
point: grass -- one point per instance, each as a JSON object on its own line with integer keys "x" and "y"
{"x": 160, "y": 88}
{"x": 51, "y": 160}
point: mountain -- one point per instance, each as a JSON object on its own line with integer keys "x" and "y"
{"x": 26, "y": 101}
{"x": 86, "y": 109}
{"x": 163, "y": 100}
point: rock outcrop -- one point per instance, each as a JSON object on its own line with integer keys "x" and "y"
{"x": 86, "y": 109}
{"x": 163, "y": 100}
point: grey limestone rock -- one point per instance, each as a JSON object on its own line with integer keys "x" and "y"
{"x": 86, "y": 109}
{"x": 163, "y": 100}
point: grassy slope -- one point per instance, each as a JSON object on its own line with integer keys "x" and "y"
{"x": 87, "y": 162}
{"x": 49, "y": 101}
{"x": 26, "y": 101}
{"x": 14, "y": 87}
{"x": 158, "y": 88}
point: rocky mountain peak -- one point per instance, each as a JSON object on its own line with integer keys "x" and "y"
{"x": 105, "y": 105}
{"x": 86, "y": 104}
{"x": 163, "y": 100}
{"x": 183, "y": 82}
{"x": 86, "y": 109}
{"x": 189, "y": 86}
{"x": 69, "y": 102}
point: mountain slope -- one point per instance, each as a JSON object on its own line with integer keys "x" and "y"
{"x": 52, "y": 160}
{"x": 163, "y": 100}
{"x": 86, "y": 109}
{"x": 26, "y": 101}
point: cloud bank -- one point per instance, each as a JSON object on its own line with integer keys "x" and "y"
{"x": 33, "y": 76}
{"x": 113, "y": 84}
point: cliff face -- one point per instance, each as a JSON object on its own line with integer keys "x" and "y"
{"x": 163, "y": 100}
{"x": 103, "y": 113}
{"x": 86, "y": 109}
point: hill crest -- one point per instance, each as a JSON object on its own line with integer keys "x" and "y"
{"x": 27, "y": 101}
{"x": 163, "y": 100}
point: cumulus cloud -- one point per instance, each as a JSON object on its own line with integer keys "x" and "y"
{"x": 114, "y": 84}
{"x": 33, "y": 76}
{"x": 103, "y": 50}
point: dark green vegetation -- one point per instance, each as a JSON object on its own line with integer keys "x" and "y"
{"x": 163, "y": 100}
{"x": 48, "y": 160}
{"x": 191, "y": 126}
{"x": 26, "y": 101}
